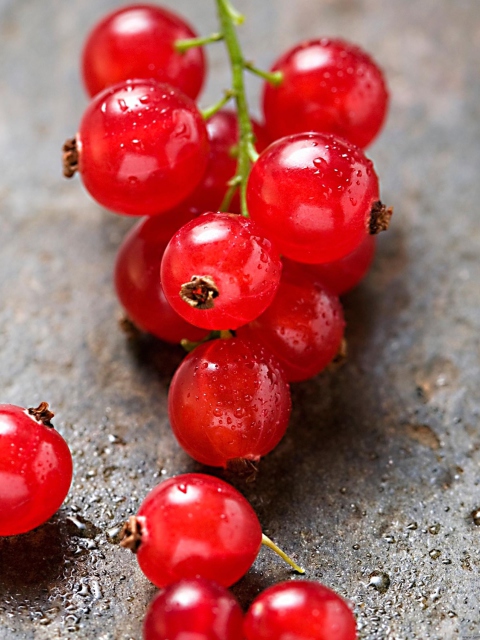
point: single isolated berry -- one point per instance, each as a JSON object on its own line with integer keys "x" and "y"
{"x": 229, "y": 401}
{"x": 137, "y": 278}
{"x": 316, "y": 197}
{"x": 219, "y": 271}
{"x": 194, "y": 608}
{"x": 141, "y": 148}
{"x": 195, "y": 525}
{"x": 303, "y": 327}
{"x": 138, "y": 41}
{"x": 330, "y": 86}
{"x": 35, "y": 468}
{"x": 299, "y": 610}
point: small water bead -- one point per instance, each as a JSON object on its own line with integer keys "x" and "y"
{"x": 379, "y": 580}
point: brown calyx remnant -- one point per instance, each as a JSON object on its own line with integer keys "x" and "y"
{"x": 128, "y": 327}
{"x": 131, "y": 535}
{"x": 70, "y": 157}
{"x": 243, "y": 468}
{"x": 200, "y": 292}
{"x": 379, "y": 218}
{"x": 42, "y": 414}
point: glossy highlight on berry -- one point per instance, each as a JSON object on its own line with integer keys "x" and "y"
{"x": 313, "y": 195}
{"x": 299, "y": 610}
{"x": 229, "y": 400}
{"x": 196, "y": 608}
{"x": 142, "y": 147}
{"x": 138, "y": 41}
{"x": 35, "y": 468}
{"x": 330, "y": 86}
{"x": 219, "y": 271}
{"x": 195, "y": 525}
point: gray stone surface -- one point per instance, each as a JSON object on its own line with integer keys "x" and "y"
{"x": 379, "y": 472}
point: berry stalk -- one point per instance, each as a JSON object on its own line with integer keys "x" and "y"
{"x": 229, "y": 18}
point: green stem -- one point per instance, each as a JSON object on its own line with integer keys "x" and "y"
{"x": 271, "y": 545}
{"x": 214, "y": 108}
{"x": 274, "y": 77}
{"x": 229, "y": 17}
{"x": 189, "y": 43}
{"x": 233, "y": 185}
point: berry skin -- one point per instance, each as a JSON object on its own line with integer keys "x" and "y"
{"x": 35, "y": 468}
{"x": 138, "y": 42}
{"x": 299, "y": 610}
{"x": 344, "y": 274}
{"x": 229, "y": 400}
{"x": 196, "y": 608}
{"x": 142, "y": 147}
{"x": 329, "y": 86}
{"x": 303, "y": 327}
{"x": 137, "y": 278}
{"x": 314, "y": 196}
{"x": 195, "y": 525}
{"x": 222, "y": 129}
{"x": 219, "y": 271}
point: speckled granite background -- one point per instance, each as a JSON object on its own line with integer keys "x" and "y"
{"x": 374, "y": 486}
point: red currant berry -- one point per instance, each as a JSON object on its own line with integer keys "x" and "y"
{"x": 219, "y": 271}
{"x": 329, "y": 86}
{"x": 138, "y": 42}
{"x": 142, "y": 147}
{"x": 137, "y": 278}
{"x": 191, "y": 526}
{"x": 35, "y": 468}
{"x": 194, "y": 608}
{"x": 300, "y": 610}
{"x": 222, "y": 129}
{"x": 343, "y": 275}
{"x": 303, "y": 327}
{"x": 229, "y": 399}
{"x": 315, "y": 196}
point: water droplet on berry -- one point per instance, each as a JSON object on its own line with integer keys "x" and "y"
{"x": 182, "y": 488}
{"x": 123, "y": 105}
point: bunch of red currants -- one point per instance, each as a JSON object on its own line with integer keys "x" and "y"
{"x": 252, "y": 231}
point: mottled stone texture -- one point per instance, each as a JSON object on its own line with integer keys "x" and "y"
{"x": 379, "y": 472}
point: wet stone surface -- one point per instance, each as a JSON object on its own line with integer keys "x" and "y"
{"x": 377, "y": 480}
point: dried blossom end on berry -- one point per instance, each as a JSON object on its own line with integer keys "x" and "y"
{"x": 42, "y": 414}
{"x": 200, "y": 292}
{"x": 131, "y": 535}
{"x": 70, "y": 157}
{"x": 380, "y": 216}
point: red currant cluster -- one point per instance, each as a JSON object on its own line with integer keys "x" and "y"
{"x": 251, "y": 233}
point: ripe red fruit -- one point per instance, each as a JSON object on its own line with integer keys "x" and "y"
{"x": 229, "y": 399}
{"x": 343, "y": 275}
{"x": 300, "y": 610}
{"x": 315, "y": 196}
{"x": 329, "y": 86}
{"x": 35, "y": 468}
{"x": 219, "y": 271}
{"x": 196, "y": 608}
{"x": 142, "y": 147}
{"x": 222, "y": 129}
{"x": 194, "y": 525}
{"x": 137, "y": 278}
{"x": 303, "y": 327}
{"x": 138, "y": 42}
